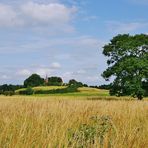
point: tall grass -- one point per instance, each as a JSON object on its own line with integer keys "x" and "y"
{"x": 57, "y": 123}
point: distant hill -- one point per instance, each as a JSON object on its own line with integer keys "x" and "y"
{"x": 81, "y": 91}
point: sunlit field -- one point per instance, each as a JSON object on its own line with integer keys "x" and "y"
{"x": 82, "y": 91}
{"x": 61, "y": 122}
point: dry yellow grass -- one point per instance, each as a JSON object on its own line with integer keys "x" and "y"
{"x": 37, "y": 122}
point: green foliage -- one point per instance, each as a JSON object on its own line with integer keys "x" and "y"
{"x": 10, "y": 87}
{"x": 107, "y": 87}
{"x": 75, "y": 83}
{"x": 8, "y": 93}
{"x": 55, "y": 81}
{"x": 145, "y": 87}
{"x": 9, "y": 90}
{"x": 28, "y": 91}
{"x": 128, "y": 63}
{"x": 34, "y": 80}
{"x": 1, "y": 92}
{"x": 87, "y": 135}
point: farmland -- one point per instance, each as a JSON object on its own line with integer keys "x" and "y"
{"x": 82, "y": 91}
{"x": 73, "y": 121}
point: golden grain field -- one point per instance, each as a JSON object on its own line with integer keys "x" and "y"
{"x": 29, "y": 122}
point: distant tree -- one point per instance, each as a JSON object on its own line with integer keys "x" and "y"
{"x": 76, "y": 83}
{"x": 128, "y": 63}
{"x": 72, "y": 82}
{"x": 85, "y": 85}
{"x": 4, "y": 87}
{"x": 9, "y": 89}
{"x": 34, "y": 80}
{"x": 94, "y": 86}
{"x": 55, "y": 81}
{"x": 105, "y": 86}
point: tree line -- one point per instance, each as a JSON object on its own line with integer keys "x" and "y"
{"x": 36, "y": 80}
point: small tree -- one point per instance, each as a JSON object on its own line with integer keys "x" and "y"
{"x": 29, "y": 91}
{"x": 128, "y": 63}
{"x": 75, "y": 83}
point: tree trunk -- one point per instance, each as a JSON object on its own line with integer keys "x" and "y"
{"x": 139, "y": 97}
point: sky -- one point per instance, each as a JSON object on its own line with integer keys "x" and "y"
{"x": 63, "y": 37}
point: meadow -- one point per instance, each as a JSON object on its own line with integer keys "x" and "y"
{"x": 73, "y": 122}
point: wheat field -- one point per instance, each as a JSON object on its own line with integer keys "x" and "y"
{"x": 29, "y": 122}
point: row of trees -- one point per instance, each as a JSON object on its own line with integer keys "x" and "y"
{"x": 9, "y": 89}
{"x": 36, "y": 80}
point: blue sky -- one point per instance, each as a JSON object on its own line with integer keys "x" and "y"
{"x": 63, "y": 37}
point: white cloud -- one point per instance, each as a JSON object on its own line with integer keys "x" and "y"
{"x": 119, "y": 27}
{"x": 55, "y": 65}
{"x": 43, "y": 71}
{"x": 24, "y": 72}
{"x": 38, "y": 16}
{"x": 40, "y": 70}
{"x": 8, "y": 17}
{"x": 5, "y": 77}
{"x": 81, "y": 72}
{"x": 52, "y": 13}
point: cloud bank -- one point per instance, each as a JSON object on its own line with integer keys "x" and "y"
{"x": 32, "y": 14}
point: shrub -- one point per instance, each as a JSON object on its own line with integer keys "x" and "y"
{"x": 1, "y": 92}
{"x": 87, "y": 135}
{"x": 8, "y": 93}
{"x": 28, "y": 91}
{"x": 69, "y": 89}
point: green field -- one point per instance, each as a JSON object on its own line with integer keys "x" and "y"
{"x": 82, "y": 91}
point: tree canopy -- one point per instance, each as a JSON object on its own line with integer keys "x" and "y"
{"x": 76, "y": 83}
{"x": 128, "y": 64}
{"x": 34, "y": 80}
{"x": 55, "y": 81}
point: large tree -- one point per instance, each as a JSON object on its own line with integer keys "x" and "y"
{"x": 55, "y": 81}
{"x": 128, "y": 64}
{"x": 34, "y": 80}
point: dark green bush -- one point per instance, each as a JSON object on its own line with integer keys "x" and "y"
{"x": 69, "y": 89}
{"x": 8, "y": 93}
{"x": 1, "y": 92}
{"x": 28, "y": 91}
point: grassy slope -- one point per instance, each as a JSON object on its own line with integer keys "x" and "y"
{"x": 44, "y": 88}
{"x": 83, "y": 91}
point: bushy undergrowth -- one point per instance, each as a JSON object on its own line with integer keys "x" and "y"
{"x": 30, "y": 91}
{"x": 8, "y": 93}
{"x": 94, "y": 133}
